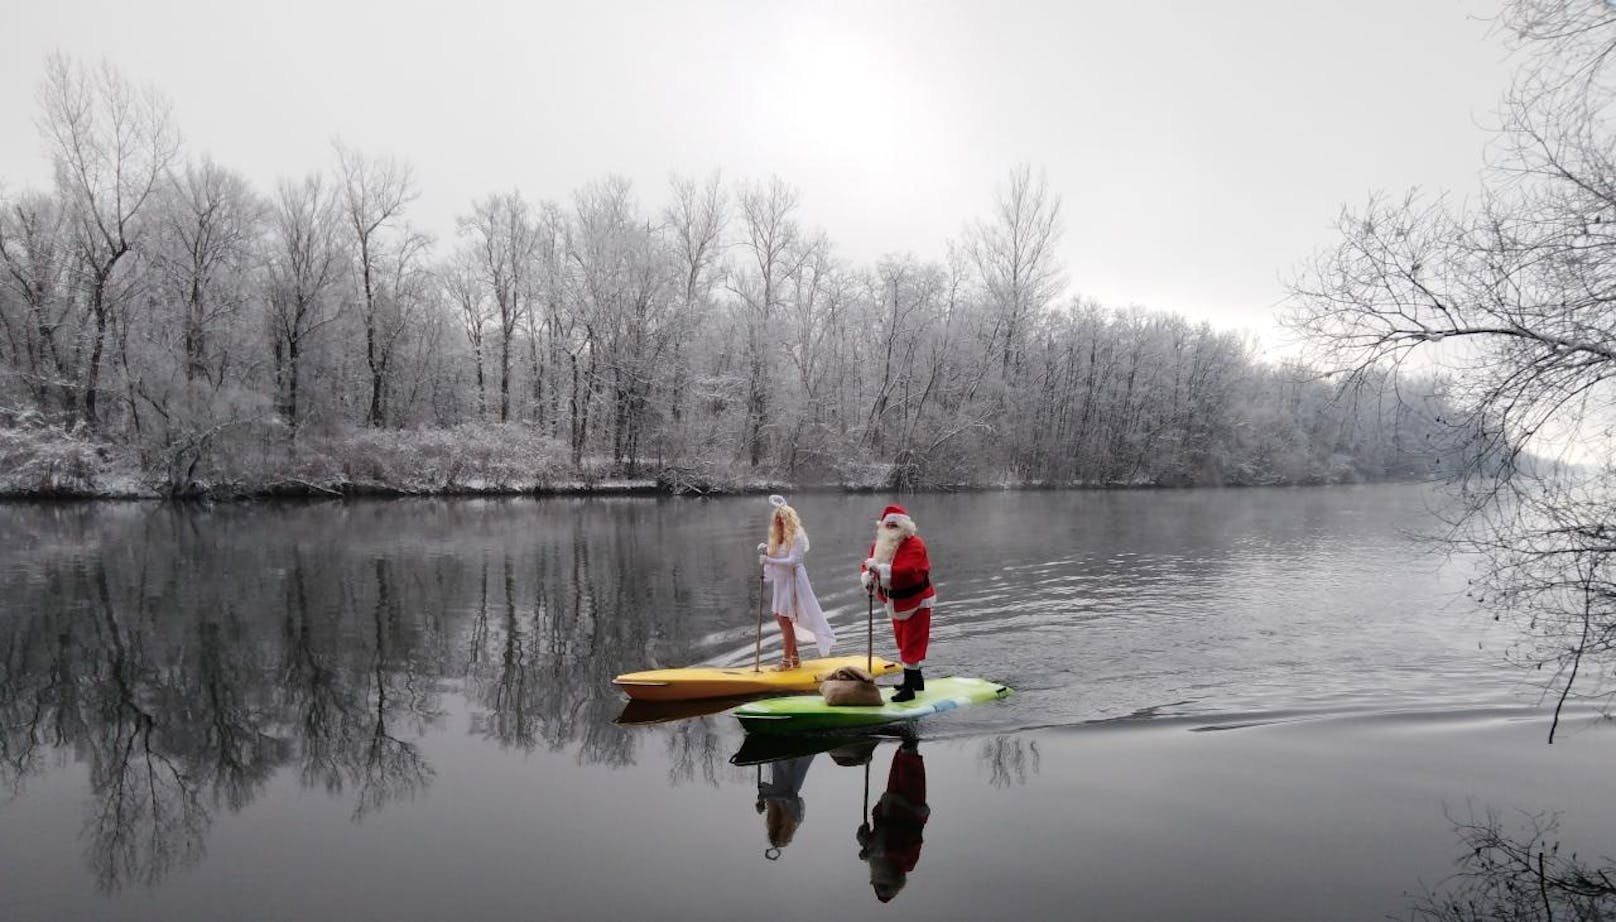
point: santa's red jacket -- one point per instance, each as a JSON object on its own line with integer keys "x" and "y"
{"x": 911, "y": 578}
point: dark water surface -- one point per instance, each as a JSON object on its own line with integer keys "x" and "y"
{"x": 1262, "y": 704}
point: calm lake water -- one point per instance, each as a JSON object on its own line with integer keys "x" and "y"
{"x": 402, "y": 710}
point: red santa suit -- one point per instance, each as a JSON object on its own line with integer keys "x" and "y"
{"x": 904, "y": 586}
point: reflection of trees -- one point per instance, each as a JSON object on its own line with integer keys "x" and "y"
{"x": 319, "y": 700}
{"x": 558, "y": 623}
{"x": 1526, "y": 878}
{"x": 694, "y": 751}
{"x": 1010, "y": 760}
{"x": 237, "y": 752}
{"x": 348, "y": 692}
{"x": 188, "y": 657}
{"x": 148, "y": 816}
{"x": 35, "y": 692}
{"x": 186, "y": 670}
{"x": 403, "y": 689}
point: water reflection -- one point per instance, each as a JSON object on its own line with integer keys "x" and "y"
{"x": 695, "y": 752}
{"x": 890, "y": 842}
{"x": 639, "y": 713}
{"x": 780, "y": 802}
{"x": 187, "y": 658}
{"x": 891, "y": 833}
{"x": 539, "y": 639}
{"x": 764, "y": 748}
{"x": 1011, "y": 760}
{"x": 1520, "y": 877}
{"x": 349, "y": 715}
{"x": 186, "y": 663}
{"x": 181, "y": 710}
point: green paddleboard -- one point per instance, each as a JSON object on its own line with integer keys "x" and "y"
{"x": 805, "y": 713}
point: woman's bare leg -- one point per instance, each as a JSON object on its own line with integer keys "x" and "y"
{"x": 788, "y": 636}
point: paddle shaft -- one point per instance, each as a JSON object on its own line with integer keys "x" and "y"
{"x": 757, "y": 652}
{"x": 869, "y": 646}
{"x": 864, "y": 811}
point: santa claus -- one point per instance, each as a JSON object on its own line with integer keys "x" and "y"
{"x": 899, "y": 573}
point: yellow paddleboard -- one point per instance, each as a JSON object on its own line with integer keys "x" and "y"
{"x": 729, "y": 681}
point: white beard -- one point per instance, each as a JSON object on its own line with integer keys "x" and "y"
{"x": 886, "y": 542}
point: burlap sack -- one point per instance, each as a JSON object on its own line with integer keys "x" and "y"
{"x": 850, "y": 686}
{"x": 855, "y": 753}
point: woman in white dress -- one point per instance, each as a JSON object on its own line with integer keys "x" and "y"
{"x": 796, "y": 609}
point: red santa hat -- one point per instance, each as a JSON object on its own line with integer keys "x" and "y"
{"x": 896, "y": 515}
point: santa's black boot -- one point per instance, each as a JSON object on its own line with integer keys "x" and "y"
{"x": 919, "y": 681}
{"x": 906, "y": 691}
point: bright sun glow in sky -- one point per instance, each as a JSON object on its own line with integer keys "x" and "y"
{"x": 1201, "y": 150}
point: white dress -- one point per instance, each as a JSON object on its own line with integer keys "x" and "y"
{"x": 794, "y": 597}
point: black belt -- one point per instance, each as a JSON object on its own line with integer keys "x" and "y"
{"x": 911, "y": 592}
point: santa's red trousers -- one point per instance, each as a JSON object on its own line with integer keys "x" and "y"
{"x": 913, "y": 633}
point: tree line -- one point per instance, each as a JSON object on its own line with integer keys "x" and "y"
{"x": 1514, "y": 295}
{"x": 156, "y": 302}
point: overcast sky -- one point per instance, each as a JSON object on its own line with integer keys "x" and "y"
{"x": 1201, "y": 149}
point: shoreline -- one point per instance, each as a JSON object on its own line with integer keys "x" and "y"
{"x": 605, "y": 487}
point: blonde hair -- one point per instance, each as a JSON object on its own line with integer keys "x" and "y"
{"x": 780, "y": 823}
{"x": 784, "y": 526}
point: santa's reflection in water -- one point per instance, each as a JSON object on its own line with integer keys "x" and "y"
{"x": 890, "y": 842}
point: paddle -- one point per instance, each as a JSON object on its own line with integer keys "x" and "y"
{"x": 864, "y": 811}
{"x": 757, "y": 653}
{"x": 869, "y": 634}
